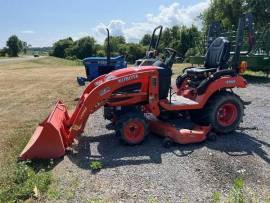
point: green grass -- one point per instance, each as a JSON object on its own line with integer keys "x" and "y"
{"x": 96, "y": 165}
{"x": 152, "y": 199}
{"x": 256, "y": 77}
{"x": 98, "y": 200}
{"x": 27, "y": 97}
{"x": 27, "y": 181}
{"x": 19, "y": 179}
{"x": 237, "y": 194}
{"x": 255, "y": 73}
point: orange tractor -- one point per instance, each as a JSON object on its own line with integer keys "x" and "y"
{"x": 138, "y": 100}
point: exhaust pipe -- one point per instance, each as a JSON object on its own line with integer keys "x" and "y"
{"x": 108, "y": 48}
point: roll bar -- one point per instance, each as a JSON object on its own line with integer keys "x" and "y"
{"x": 108, "y": 48}
{"x": 153, "y": 38}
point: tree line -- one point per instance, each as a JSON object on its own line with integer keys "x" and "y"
{"x": 186, "y": 40}
{"x": 14, "y": 46}
{"x": 180, "y": 38}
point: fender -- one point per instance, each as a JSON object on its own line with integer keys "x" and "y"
{"x": 225, "y": 82}
{"x": 222, "y": 83}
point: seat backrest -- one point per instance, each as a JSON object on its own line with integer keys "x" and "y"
{"x": 165, "y": 74}
{"x": 218, "y": 54}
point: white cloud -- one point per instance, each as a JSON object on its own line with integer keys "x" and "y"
{"x": 116, "y": 28}
{"x": 169, "y": 16}
{"x": 28, "y": 32}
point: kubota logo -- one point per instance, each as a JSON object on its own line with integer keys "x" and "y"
{"x": 128, "y": 78}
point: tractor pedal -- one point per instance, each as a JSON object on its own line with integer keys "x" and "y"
{"x": 167, "y": 143}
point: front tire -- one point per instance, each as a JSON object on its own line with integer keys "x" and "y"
{"x": 132, "y": 128}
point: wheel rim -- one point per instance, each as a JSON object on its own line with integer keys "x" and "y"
{"x": 134, "y": 131}
{"x": 227, "y": 114}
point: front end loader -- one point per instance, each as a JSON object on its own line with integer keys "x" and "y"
{"x": 138, "y": 100}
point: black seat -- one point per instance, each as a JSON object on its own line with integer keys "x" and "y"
{"x": 216, "y": 58}
{"x": 165, "y": 74}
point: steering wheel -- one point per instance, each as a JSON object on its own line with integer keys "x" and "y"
{"x": 174, "y": 54}
{"x": 172, "y": 51}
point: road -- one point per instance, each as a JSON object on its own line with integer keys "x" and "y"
{"x": 19, "y": 59}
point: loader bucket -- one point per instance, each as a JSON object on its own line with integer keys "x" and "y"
{"x": 49, "y": 138}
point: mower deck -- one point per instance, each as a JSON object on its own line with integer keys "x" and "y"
{"x": 180, "y": 130}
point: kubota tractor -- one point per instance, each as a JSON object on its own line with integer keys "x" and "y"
{"x": 137, "y": 100}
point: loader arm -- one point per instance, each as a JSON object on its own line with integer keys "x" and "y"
{"x": 95, "y": 97}
{"x": 57, "y": 132}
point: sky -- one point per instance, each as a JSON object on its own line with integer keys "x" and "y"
{"x": 43, "y": 22}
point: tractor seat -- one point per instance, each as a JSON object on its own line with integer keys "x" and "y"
{"x": 216, "y": 58}
{"x": 200, "y": 71}
{"x": 165, "y": 74}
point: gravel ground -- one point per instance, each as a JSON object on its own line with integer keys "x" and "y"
{"x": 150, "y": 172}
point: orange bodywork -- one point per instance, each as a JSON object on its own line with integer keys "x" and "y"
{"x": 200, "y": 101}
{"x": 181, "y": 136}
{"x": 58, "y": 131}
{"x": 49, "y": 138}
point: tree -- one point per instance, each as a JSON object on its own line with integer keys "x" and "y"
{"x": 60, "y": 46}
{"x": 166, "y": 39}
{"x": 82, "y": 48}
{"x": 145, "y": 41}
{"x": 4, "y": 51}
{"x": 260, "y": 9}
{"x": 135, "y": 51}
{"x": 115, "y": 44}
{"x": 229, "y": 11}
{"x": 179, "y": 38}
{"x": 123, "y": 49}
{"x": 187, "y": 39}
{"x": 14, "y": 45}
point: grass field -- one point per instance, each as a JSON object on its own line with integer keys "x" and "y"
{"x": 29, "y": 89}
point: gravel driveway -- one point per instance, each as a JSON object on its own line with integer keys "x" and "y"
{"x": 150, "y": 172}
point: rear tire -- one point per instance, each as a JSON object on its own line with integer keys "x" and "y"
{"x": 132, "y": 128}
{"x": 224, "y": 112}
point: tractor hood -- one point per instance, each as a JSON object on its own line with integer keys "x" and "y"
{"x": 130, "y": 70}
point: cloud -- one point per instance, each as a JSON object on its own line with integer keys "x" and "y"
{"x": 116, "y": 28}
{"x": 28, "y": 32}
{"x": 174, "y": 14}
